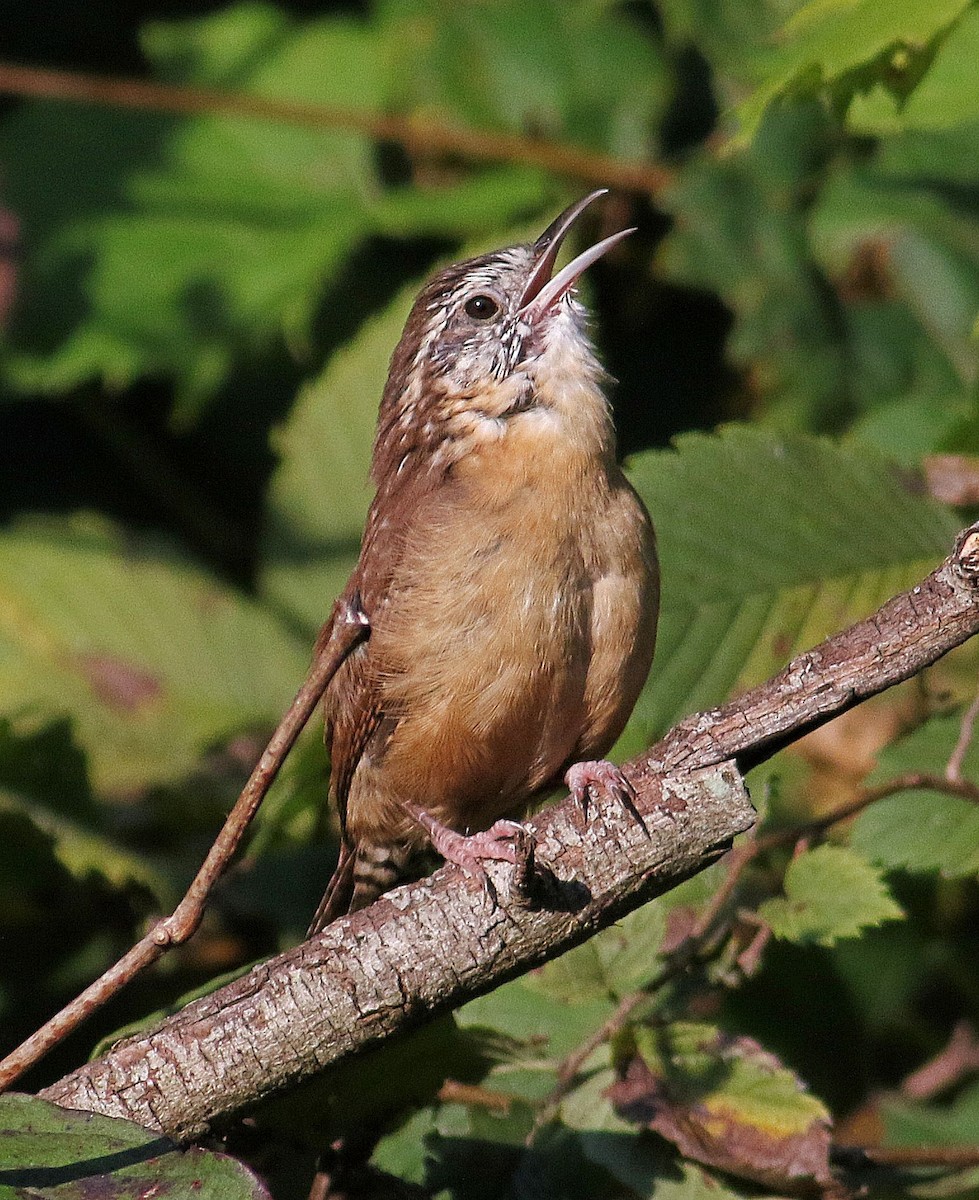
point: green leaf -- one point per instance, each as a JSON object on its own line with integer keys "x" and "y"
{"x": 527, "y": 1017}
{"x": 404, "y": 1153}
{"x": 625, "y": 957}
{"x": 725, "y": 1102}
{"x": 741, "y": 230}
{"x": 42, "y": 760}
{"x": 917, "y": 1124}
{"x": 648, "y": 1168}
{"x": 83, "y": 852}
{"x": 734, "y": 35}
{"x": 153, "y": 659}
{"x": 922, "y": 830}
{"x": 44, "y": 782}
{"x": 491, "y": 198}
{"x": 46, "y": 1151}
{"x": 945, "y": 96}
{"x": 819, "y": 536}
{"x": 930, "y": 256}
{"x": 827, "y": 40}
{"x": 830, "y": 893}
{"x": 601, "y": 81}
{"x": 184, "y": 243}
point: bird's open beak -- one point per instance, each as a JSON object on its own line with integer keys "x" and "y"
{"x": 541, "y": 291}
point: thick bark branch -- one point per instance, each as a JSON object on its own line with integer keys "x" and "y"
{"x": 426, "y": 948}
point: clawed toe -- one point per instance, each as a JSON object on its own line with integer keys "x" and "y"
{"x": 506, "y": 841}
{"x": 586, "y": 779}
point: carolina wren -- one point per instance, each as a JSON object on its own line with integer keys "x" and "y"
{"x": 508, "y": 572}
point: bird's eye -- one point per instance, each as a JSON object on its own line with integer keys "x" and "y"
{"x": 481, "y": 308}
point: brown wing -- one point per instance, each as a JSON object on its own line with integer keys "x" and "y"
{"x": 352, "y": 703}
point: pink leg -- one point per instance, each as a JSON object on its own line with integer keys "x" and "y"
{"x": 506, "y": 841}
{"x": 586, "y": 779}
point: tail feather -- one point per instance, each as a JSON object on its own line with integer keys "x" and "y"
{"x": 363, "y": 873}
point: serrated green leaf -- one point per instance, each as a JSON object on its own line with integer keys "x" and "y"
{"x": 725, "y": 1102}
{"x": 182, "y": 242}
{"x": 828, "y": 39}
{"x": 922, "y": 830}
{"x": 601, "y": 82}
{"x": 46, "y": 1151}
{"x": 819, "y": 536}
{"x": 945, "y": 96}
{"x": 152, "y": 658}
{"x": 830, "y": 893}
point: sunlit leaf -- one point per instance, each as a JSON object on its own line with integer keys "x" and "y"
{"x": 826, "y": 39}
{"x": 946, "y": 95}
{"x": 818, "y": 537}
{"x": 601, "y": 82}
{"x": 830, "y": 893}
{"x": 182, "y": 241}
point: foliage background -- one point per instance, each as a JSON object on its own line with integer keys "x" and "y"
{"x": 197, "y": 314}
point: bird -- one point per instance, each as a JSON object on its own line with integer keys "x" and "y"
{"x": 508, "y": 573}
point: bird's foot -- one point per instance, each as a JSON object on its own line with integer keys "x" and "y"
{"x": 506, "y": 841}
{"x": 592, "y": 778}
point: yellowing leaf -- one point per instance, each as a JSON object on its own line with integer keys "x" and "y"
{"x": 725, "y": 1102}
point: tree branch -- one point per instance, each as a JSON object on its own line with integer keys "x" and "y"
{"x": 417, "y": 136}
{"x": 426, "y": 948}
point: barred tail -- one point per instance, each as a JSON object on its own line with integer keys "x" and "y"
{"x": 362, "y": 874}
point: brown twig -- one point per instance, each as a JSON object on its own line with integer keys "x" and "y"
{"x": 953, "y": 770}
{"x": 347, "y": 629}
{"x": 454, "y": 1092}
{"x": 955, "y": 1157}
{"x": 958, "y": 1058}
{"x": 418, "y": 137}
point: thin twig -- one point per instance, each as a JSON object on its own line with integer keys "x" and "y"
{"x": 909, "y": 1156}
{"x": 454, "y": 1092}
{"x": 347, "y": 629}
{"x": 957, "y": 1059}
{"x": 421, "y": 137}
{"x": 953, "y": 771}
